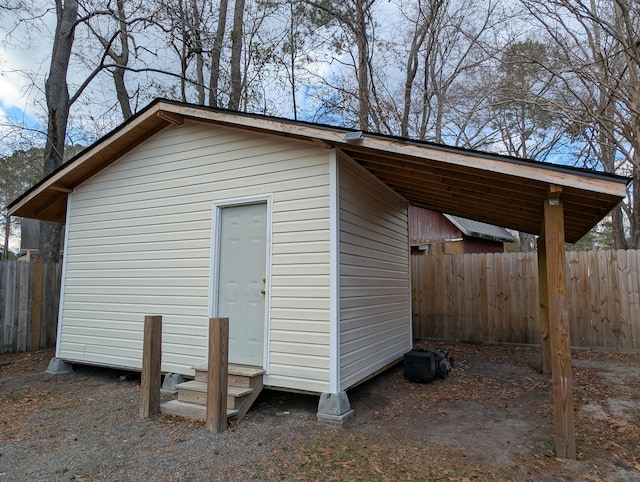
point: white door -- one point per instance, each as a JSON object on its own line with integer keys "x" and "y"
{"x": 241, "y": 282}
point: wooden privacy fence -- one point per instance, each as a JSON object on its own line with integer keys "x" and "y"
{"x": 29, "y": 297}
{"x": 494, "y": 298}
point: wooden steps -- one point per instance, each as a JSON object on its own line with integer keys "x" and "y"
{"x": 244, "y": 384}
{"x": 189, "y": 410}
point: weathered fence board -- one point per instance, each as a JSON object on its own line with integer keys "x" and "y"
{"x": 29, "y": 297}
{"x": 493, "y": 298}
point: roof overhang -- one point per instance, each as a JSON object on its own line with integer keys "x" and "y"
{"x": 494, "y": 189}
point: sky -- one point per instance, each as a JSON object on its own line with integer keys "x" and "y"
{"x": 21, "y": 51}
{"x": 24, "y": 55}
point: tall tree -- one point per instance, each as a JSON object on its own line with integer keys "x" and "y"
{"x": 58, "y": 105}
{"x": 447, "y": 49}
{"x": 216, "y": 54}
{"x": 120, "y": 56}
{"x": 598, "y": 44}
{"x": 237, "y": 39}
{"x": 355, "y": 19}
{"x": 523, "y": 103}
{"x": 197, "y": 14}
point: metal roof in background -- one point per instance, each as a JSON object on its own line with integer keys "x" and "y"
{"x": 478, "y": 229}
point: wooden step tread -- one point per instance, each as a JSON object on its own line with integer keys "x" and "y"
{"x": 202, "y": 387}
{"x": 239, "y": 370}
{"x": 245, "y": 371}
{"x": 191, "y": 410}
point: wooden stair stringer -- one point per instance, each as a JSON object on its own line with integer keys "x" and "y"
{"x": 247, "y": 401}
{"x": 246, "y": 377}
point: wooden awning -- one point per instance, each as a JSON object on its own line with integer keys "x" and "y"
{"x": 495, "y": 189}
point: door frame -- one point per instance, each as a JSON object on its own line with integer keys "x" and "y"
{"x": 214, "y": 275}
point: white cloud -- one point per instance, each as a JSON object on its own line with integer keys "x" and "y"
{"x": 24, "y": 52}
{"x": 9, "y": 90}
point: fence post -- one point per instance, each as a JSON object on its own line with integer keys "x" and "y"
{"x": 36, "y": 305}
{"x": 151, "y": 363}
{"x": 217, "y": 371}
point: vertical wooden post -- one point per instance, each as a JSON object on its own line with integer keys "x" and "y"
{"x": 36, "y": 305}
{"x": 545, "y": 347}
{"x": 23, "y": 320}
{"x": 151, "y": 363}
{"x": 559, "y": 329}
{"x": 217, "y": 372}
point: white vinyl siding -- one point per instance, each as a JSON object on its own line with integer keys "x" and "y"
{"x": 375, "y": 296}
{"x": 140, "y": 243}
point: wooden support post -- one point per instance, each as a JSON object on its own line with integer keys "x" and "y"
{"x": 559, "y": 329}
{"x": 217, "y": 372}
{"x": 151, "y": 366}
{"x": 545, "y": 347}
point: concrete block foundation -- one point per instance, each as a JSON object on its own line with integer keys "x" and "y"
{"x": 57, "y": 366}
{"x": 335, "y": 408}
{"x": 171, "y": 382}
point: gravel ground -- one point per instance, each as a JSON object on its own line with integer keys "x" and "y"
{"x": 490, "y": 420}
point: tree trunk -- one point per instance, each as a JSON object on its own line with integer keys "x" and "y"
{"x": 199, "y": 48}
{"x": 122, "y": 92}
{"x": 618, "y": 228}
{"x": 635, "y": 212}
{"x": 184, "y": 50}
{"x": 235, "y": 93}
{"x": 122, "y": 60}
{"x": 216, "y": 53}
{"x": 57, "y": 96}
{"x": 412, "y": 70}
{"x": 292, "y": 57}
{"x": 360, "y": 30}
{"x": 526, "y": 242}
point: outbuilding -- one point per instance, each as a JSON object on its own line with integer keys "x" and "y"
{"x": 431, "y": 232}
{"x": 297, "y": 232}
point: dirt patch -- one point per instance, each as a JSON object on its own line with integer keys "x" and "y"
{"x": 492, "y": 419}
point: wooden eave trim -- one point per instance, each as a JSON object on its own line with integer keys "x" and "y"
{"x": 493, "y": 185}
{"x": 406, "y": 150}
{"x": 454, "y": 161}
{"x": 321, "y": 143}
{"x": 61, "y": 189}
{"x": 537, "y": 173}
{"x": 171, "y": 117}
{"x": 59, "y": 177}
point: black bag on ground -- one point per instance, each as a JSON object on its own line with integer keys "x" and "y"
{"x": 423, "y": 364}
